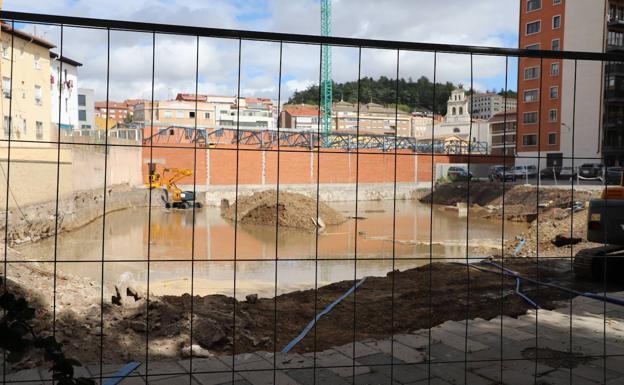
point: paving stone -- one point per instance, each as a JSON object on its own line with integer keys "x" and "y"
{"x": 267, "y": 377}
{"x": 288, "y": 360}
{"x": 400, "y": 371}
{"x": 316, "y": 377}
{"x": 185, "y": 379}
{"x": 457, "y": 374}
{"x": 162, "y": 367}
{"x": 401, "y": 352}
{"x": 562, "y": 376}
{"x": 339, "y": 363}
{"x": 212, "y": 371}
{"x": 455, "y": 341}
{"x": 616, "y": 364}
{"x": 596, "y": 369}
{"x": 373, "y": 378}
{"x": 361, "y": 350}
{"x": 433, "y": 381}
{"x": 442, "y": 352}
{"x": 218, "y": 378}
{"x": 415, "y": 341}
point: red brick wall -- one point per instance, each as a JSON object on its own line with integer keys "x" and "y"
{"x": 299, "y": 165}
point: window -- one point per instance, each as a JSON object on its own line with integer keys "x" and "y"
{"x": 82, "y": 100}
{"x": 37, "y": 61}
{"x": 38, "y": 96}
{"x": 531, "y": 73}
{"x": 456, "y": 130}
{"x": 554, "y": 92}
{"x": 556, "y": 2}
{"x": 461, "y": 110}
{"x": 533, "y": 5}
{"x": 7, "y": 126}
{"x": 191, "y": 114}
{"x": 24, "y": 127}
{"x": 39, "y": 130}
{"x": 533, "y": 27}
{"x": 552, "y": 138}
{"x": 555, "y": 45}
{"x": 556, "y": 23}
{"x": 82, "y": 115}
{"x": 529, "y": 140}
{"x": 533, "y": 46}
{"x": 180, "y": 114}
{"x": 531, "y": 96}
{"x": 554, "y": 69}
{"x": 615, "y": 39}
{"x": 6, "y": 87}
{"x": 552, "y": 115}
{"x": 168, "y": 114}
{"x": 5, "y": 50}
{"x": 530, "y": 117}
{"x": 206, "y": 115}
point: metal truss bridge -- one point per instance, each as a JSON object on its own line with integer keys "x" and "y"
{"x": 269, "y": 139}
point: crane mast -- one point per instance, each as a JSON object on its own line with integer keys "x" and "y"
{"x": 326, "y": 71}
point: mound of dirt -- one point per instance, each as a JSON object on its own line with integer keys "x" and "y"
{"x": 293, "y": 210}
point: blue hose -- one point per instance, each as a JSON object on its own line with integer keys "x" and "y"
{"x": 522, "y": 242}
{"x": 599, "y": 297}
{"x": 329, "y": 308}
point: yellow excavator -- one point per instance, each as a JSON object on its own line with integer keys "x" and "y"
{"x": 173, "y": 196}
{"x": 605, "y": 225}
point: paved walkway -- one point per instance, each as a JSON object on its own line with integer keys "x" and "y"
{"x": 406, "y": 361}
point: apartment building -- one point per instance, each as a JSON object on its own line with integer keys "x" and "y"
{"x": 64, "y": 92}
{"x": 302, "y": 117}
{"x": 548, "y": 116}
{"x": 503, "y": 127}
{"x": 373, "y": 118}
{"x": 180, "y": 113}
{"x": 116, "y": 111}
{"x": 485, "y": 105}
{"x": 25, "y": 85}
{"x": 86, "y": 109}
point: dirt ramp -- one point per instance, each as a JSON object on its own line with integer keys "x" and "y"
{"x": 292, "y": 210}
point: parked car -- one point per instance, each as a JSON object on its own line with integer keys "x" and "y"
{"x": 591, "y": 170}
{"x": 498, "y": 173}
{"x": 567, "y": 173}
{"x": 524, "y": 171}
{"x": 455, "y": 173}
{"x": 550, "y": 172}
{"x": 613, "y": 175}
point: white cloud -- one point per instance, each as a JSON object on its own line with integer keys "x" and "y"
{"x": 478, "y": 22}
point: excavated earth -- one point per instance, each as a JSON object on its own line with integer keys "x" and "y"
{"x": 292, "y": 210}
{"x": 422, "y": 297}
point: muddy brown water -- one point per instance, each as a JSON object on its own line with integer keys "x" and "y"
{"x": 174, "y": 241}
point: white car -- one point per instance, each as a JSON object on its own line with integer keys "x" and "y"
{"x": 524, "y": 171}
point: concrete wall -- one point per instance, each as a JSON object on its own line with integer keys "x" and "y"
{"x": 587, "y": 119}
{"x": 33, "y": 171}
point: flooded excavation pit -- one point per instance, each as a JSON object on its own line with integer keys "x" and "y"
{"x": 222, "y": 250}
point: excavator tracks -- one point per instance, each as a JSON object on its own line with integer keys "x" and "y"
{"x": 590, "y": 263}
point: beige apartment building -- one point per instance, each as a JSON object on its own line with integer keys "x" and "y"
{"x": 373, "y": 118}
{"x": 26, "y": 103}
{"x": 179, "y": 113}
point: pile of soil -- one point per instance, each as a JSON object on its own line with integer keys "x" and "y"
{"x": 413, "y": 299}
{"x": 520, "y": 202}
{"x": 544, "y": 235}
{"x": 295, "y": 211}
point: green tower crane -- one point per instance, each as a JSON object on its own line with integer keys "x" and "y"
{"x": 326, "y": 71}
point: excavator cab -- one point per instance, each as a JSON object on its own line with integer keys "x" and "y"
{"x": 172, "y": 196}
{"x": 605, "y": 225}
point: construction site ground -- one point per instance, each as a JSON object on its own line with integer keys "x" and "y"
{"x": 578, "y": 342}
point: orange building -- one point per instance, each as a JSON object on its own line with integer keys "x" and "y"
{"x": 569, "y": 112}
{"x": 539, "y": 80}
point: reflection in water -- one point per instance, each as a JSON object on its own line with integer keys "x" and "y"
{"x": 174, "y": 242}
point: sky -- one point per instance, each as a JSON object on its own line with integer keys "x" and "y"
{"x": 177, "y": 62}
